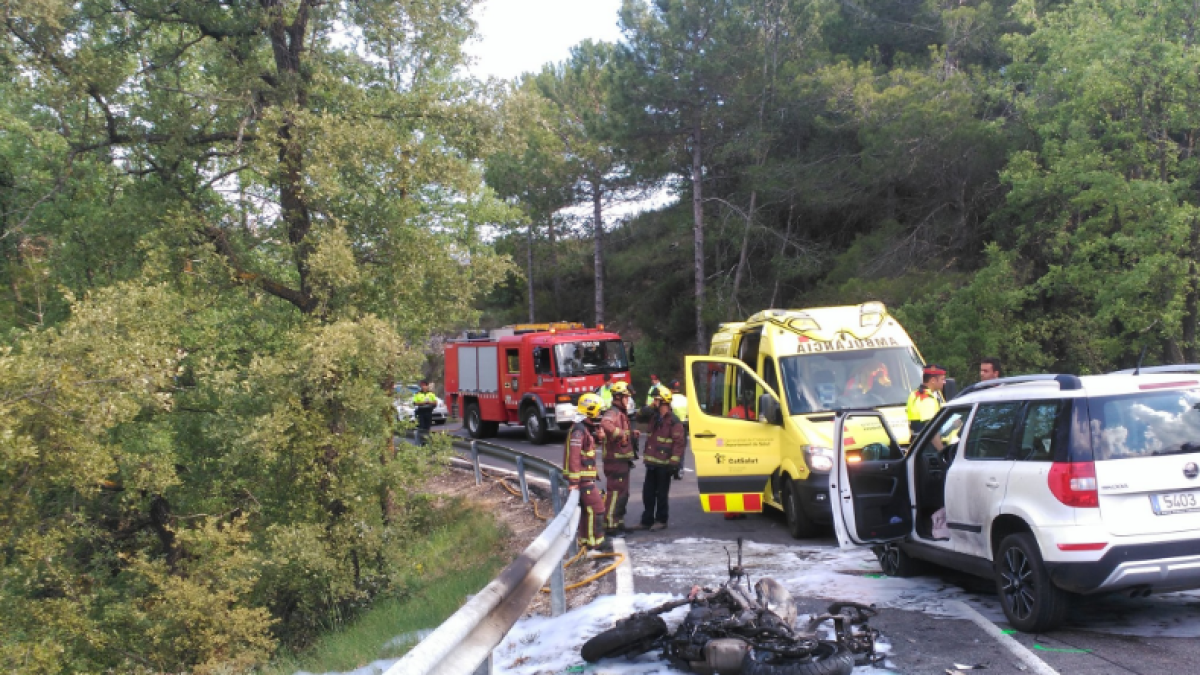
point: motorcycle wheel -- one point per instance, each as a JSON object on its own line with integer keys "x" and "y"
{"x": 633, "y": 636}
{"x": 827, "y": 659}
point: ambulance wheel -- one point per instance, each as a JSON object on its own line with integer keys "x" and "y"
{"x": 535, "y": 426}
{"x": 799, "y": 525}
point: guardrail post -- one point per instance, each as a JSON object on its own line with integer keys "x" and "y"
{"x": 521, "y": 478}
{"x": 555, "y": 492}
{"x": 475, "y": 461}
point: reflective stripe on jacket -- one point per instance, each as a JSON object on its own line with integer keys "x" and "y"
{"x": 666, "y": 441}
{"x": 580, "y": 461}
{"x": 617, "y": 439}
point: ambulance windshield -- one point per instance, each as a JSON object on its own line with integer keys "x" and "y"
{"x": 590, "y": 357}
{"x": 859, "y": 378}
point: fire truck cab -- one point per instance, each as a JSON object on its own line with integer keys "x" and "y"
{"x": 761, "y": 405}
{"x": 529, "y": 374}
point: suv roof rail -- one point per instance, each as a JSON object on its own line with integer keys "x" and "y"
{"x": 1150, "y": 370}
{"x": 1065, "y": 382}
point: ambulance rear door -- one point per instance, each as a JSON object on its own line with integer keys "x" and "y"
{"x": 736, "y": 432}
{"x": 869, "y": 487}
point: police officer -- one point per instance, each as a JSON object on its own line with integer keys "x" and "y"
{"x": 580, "y": 465}
{"x": 606, "y": 391}
{"x": 927, "y": 400}
{"x": 424, "y": 402}
{"x": 617, "y": 438}
{"x": 663, "y": 457}
{"x": 679, "y": 404}
{"x": 655, "y": 386}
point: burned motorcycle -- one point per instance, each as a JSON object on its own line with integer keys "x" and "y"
{"x": 736, "y": 630}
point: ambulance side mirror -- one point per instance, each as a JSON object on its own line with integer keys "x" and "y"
{"x": 769, "y": 411}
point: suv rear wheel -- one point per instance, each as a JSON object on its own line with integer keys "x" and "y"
{"x": 1032, "y": 603}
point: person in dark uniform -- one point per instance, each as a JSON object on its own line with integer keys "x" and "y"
{"x": 663, "y": 457}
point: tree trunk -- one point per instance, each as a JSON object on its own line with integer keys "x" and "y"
{"x": 737, "y": 276}
{"x": 529, "y": 269}
{"x": 555, "y": 280}
{"x": 1192, "y": 301}
{"x": 598, "y": 253}
{"x": 787, "y": 237}
{"x": 698, "y": 231}
{"x": 287, "y": 44}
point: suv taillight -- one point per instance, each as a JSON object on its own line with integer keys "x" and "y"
{"x": 1074, "y": 484}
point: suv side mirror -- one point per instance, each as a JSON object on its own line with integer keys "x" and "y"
{"x": 950, "y": 389}
{"x": 769, "y": 410}
{"x": 629, "y": 352}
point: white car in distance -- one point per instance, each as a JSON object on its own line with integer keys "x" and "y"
{"x": 406, "y": 412}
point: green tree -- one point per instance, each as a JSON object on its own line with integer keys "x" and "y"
{"x": 230, "y": 228}
{"x": 1108, "y": 199}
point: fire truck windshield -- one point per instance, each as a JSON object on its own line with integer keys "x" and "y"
{"x": 860, "y": 378}
{"x": 588, "y": 357}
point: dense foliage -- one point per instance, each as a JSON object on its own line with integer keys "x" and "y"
{"x": 1014, "y": 178}
{"x": 226, "y": 229}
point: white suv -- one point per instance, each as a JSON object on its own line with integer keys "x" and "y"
{"x": 1053, "y": 485}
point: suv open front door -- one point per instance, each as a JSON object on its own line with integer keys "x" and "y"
{"x": 869, "y": 489}
{"x": 736, "y": 432}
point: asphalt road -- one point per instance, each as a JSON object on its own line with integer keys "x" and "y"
{"x": 1111, "y": 635}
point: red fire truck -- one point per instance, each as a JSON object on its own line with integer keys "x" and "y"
{"x": 529, "y": 374}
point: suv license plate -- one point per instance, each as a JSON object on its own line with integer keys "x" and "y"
{"x": 1175, "y": 502}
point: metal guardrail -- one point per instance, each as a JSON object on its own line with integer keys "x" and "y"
{"x": 463, "y": 643}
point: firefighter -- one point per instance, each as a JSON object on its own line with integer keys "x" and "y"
{"x": 663, "y": 457}
{"x": 617, "y": 441}
{"x": 927, "y": 400}
{"x": 424, "y": 402}
{"x": 580, "y": 465}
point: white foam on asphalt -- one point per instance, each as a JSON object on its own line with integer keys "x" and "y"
{"x": 829, "y": 573}
{"x": 546, "y": 646}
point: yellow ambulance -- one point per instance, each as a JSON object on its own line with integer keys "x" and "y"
{"x": 761, "y": 406}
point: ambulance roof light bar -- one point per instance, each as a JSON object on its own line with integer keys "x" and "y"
{"x": 871, "y": 314}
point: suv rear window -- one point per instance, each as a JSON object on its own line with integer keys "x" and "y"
{"x": 1145, "y": 424}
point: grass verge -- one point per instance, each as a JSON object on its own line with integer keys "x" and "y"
{"x": 458, "y": 559}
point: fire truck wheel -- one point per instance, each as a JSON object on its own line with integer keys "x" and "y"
{"x": 535, "y": 426}
{"x": 472, "y": 420}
